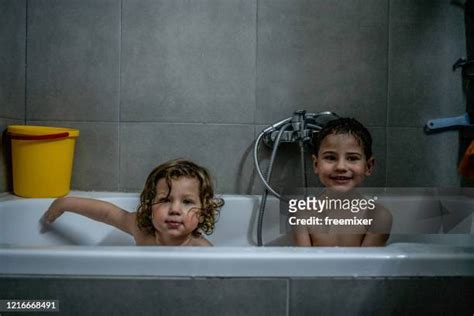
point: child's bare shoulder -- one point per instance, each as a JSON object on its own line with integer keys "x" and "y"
{"x": 382, "y": 213}
{"x": 382, "y": 219}
{"x": 141, "y": 237}
{"x": 200, "y": 242}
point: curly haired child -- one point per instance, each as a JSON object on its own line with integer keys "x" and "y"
{"x": 177, "y": 205}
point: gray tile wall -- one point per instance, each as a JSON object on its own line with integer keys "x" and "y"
{"x": 146, "y": 81}
{"x": 12, "y": 77}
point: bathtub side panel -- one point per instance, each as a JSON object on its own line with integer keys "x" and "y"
{"x": 152, "y": 296}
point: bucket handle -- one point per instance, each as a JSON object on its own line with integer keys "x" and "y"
{"x": 39, "y": 137}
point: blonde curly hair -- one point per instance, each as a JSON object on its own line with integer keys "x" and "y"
{"x": 175, "y": 169}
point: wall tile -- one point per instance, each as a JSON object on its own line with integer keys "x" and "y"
{"x": 6, "y": 180}
{"x": 322, "y": 55}
{"x": 12, "y": 61}
{"x": 188, "y": 61}
{"x": 223, "y": 149}
{"x": 238, "y": 62}
{"x": 426, "y": 38}
{"x": 96, "y": 156}
{"x": 379, "y": 149}
{"x": 287, "y": 173}
{"x": 416, "y": 159}
{"x": 73, "y": 60}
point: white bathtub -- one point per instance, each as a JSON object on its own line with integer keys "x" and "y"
{"x": 78, "y": 246}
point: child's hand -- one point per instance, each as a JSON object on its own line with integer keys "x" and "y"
{"x": 53, "y": 212}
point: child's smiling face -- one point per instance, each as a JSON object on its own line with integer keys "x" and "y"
{"x": 175, "y": 214}
{"x": 341, "y": 163}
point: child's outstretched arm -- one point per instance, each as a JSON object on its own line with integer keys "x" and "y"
{"x": 101, "y": 211}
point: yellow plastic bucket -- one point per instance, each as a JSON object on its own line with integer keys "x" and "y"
{"x": 42, "y": 160}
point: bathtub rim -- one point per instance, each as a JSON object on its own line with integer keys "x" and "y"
{"x": 395, "y": 260}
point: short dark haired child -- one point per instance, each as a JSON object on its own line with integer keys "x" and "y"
{"x": 342, "y": 159}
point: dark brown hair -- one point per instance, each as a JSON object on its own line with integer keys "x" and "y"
{"x": 172, "y": 170}
{"x": 345, "y": 125}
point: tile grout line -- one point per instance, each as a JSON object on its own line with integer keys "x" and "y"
{"x": 388, "y": 94}
{"x": 288, "y": 284}
{"x": 119, "y": 98}
{"x": 256, "y": 67}
{"x": 26, "y": 63}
